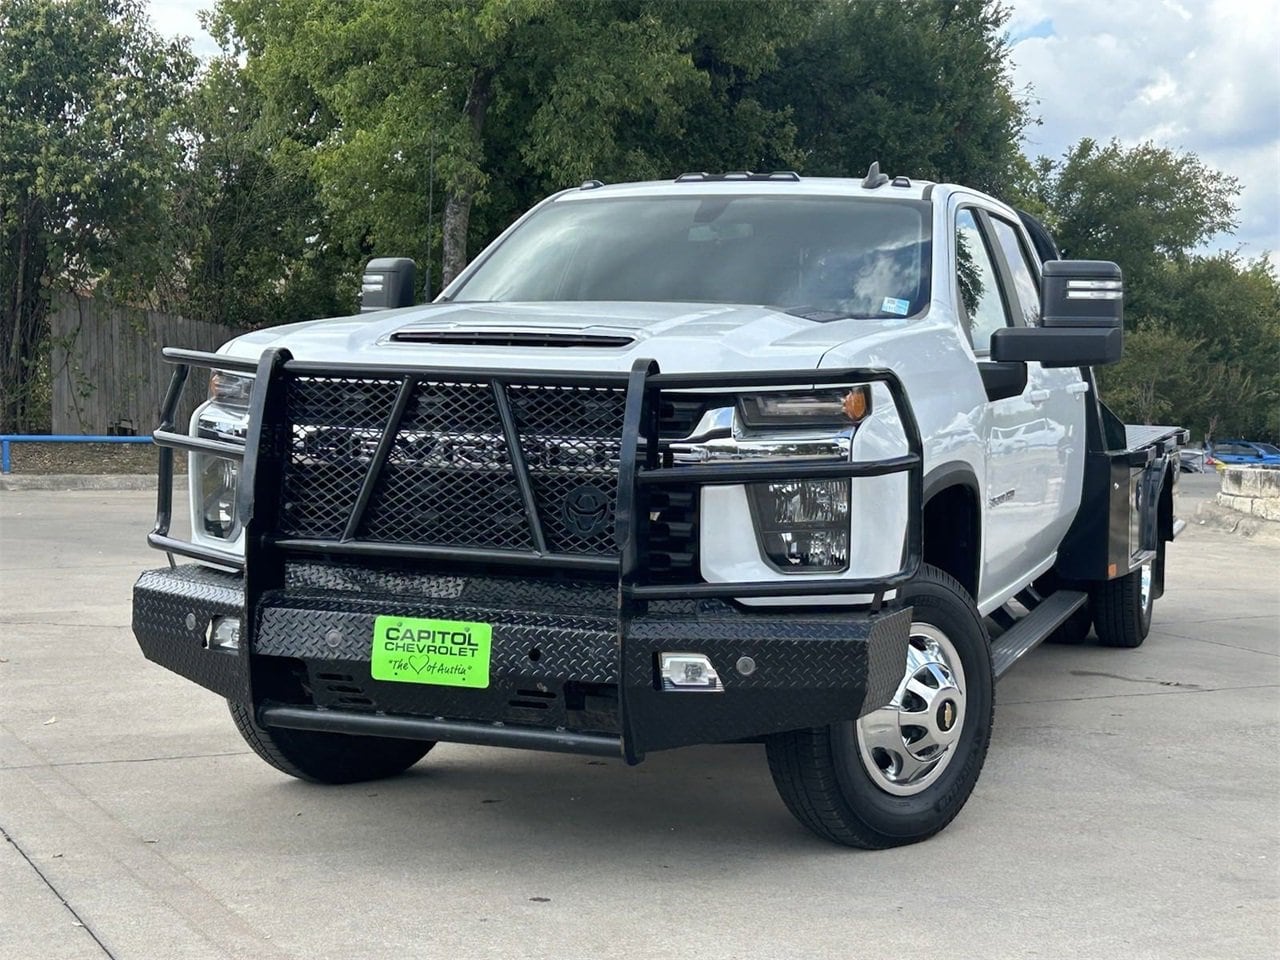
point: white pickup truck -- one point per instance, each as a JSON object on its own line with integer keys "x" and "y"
{"x": 739, "y": 457}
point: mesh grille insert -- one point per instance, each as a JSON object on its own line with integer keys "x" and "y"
{"x": 335, "y": 424}
{"x": 571, "y": 439}
{"x": 449, "y": 479}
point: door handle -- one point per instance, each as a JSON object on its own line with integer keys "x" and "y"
{"x": 1078, "y": 387}
{"x": 1038, "y": 396}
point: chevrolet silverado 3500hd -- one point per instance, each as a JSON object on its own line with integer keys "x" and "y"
{"x": 732, "y": 457}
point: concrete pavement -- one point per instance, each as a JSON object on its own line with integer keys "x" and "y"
{"x": 1128, "y": 808}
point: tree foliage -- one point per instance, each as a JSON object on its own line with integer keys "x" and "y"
{"x": 90, "y": 101}
{"x": 335, "y": 130}
{"x": 1141, "y": 206}
{"x": 391, "y": 98}
{"x": 1203, "y": 340}
{"x": 1207, "y": 352}
{"x": 249, "y": 222}
{"x": 922, "y": 86}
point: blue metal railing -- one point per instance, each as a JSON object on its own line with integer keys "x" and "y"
{"x": 8, "y": 438}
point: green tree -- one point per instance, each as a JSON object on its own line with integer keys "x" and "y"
{"x": 1231, "y": 305}
{"x": 1160, "y": 378}
{"x": 923, "y": 86}
{"x": 91, "y": 99}
{"x": 249, "y": 221}
{"x": 1141, "y": 206}
{"x": 1208, "y": 354}
{"x": 1203, "y": 341}
{"x": 497, "y": 101}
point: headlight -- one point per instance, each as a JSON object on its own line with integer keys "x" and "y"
{"x": 230, "y": 390}
{"x": 219, "y": 481}
{"x": 818, "y": 408}
{"x": 803, "y": 525}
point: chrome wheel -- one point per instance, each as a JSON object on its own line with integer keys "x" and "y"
{"x": 906, "y": 745}
{"x": 1145, "y": 592}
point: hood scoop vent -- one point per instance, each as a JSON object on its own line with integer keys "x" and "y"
{"x": 511, "y": 338}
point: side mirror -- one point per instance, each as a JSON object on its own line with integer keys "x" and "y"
{"x": 387, "y": 283}
{"x": 1082, "y": 318}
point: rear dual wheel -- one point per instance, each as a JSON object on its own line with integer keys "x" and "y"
{"x": 1122, "y": 607}
{"x": 902, "y": 772}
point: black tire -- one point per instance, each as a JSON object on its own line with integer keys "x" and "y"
{"x": 820, "y": 773}
{"x": 327, "y": 757}
{"x": 1120, "y": 616}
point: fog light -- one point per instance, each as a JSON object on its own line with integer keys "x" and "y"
{"x": 691, "y": 672}
{"x": 803, "y": 524}
{"x": 224, "y": 635}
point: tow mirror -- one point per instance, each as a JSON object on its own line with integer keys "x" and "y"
{"x": 1082, "y": 318}
{"x": 387, "y": 282}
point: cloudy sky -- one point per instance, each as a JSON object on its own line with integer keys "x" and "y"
{"x": 1199, "y": 75}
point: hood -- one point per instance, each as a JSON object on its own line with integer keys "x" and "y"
{"x": 682, "y": 337}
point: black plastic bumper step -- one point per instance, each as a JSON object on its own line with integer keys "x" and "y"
{"x": 1029, "y": 632}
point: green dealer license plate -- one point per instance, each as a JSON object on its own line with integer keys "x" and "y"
{"x": 448, "y": 653}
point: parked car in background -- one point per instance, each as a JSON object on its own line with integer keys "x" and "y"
{"x": 1194, "y": 461}
{"x": 1245, "y": 453}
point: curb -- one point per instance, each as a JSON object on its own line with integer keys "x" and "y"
{"x": 78, "y": 481}
{"x": 1212, "y": 514}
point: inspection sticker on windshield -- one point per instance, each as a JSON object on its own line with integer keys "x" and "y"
{"x": 892, "y": 305}
{"x": 448, "y": 653}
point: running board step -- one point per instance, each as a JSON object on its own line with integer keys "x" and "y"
{"x": 1031, "y": 631}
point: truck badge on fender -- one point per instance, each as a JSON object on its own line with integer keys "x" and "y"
{"x": 1001, "y": 498}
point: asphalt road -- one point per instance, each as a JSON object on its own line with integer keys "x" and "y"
{"x": 1130, "y": 806}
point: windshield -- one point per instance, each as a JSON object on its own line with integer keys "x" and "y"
{"x": 823, "y": 257}
{"x": 1268, "y": 448}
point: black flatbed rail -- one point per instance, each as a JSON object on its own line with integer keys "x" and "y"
{"x": 1137, "y": 437}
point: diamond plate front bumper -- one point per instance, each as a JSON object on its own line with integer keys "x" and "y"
{"x": 569, "y": 671}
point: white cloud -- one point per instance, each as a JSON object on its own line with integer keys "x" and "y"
{"x": 1162, "y": 88}
{"x": 181, "y": 18}
{"x": 1198, "y": 75}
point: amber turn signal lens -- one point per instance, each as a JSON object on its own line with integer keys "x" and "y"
{"x": 856, "y": 404}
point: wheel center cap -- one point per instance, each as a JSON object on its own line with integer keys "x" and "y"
{"x": 946, "y": 715}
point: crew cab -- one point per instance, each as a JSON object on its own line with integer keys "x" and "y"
{"x": 742, "y": 457}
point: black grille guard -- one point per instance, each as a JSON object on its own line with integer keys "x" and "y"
{"x": 641, "y": 473}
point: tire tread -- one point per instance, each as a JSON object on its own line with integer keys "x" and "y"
{"x": 1117, "y": 613}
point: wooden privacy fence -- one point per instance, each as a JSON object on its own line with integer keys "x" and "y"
{"x": 106, "y": 372}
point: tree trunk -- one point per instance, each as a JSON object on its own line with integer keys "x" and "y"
{"x": 457, "y": 218}
{"x": 22, "y": 314}
{"x": 457, "y": 203}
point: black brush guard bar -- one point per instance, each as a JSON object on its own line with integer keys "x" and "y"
{"x": 640, "y": 471}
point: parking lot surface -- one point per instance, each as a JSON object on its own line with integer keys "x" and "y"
{"x": 1130, "y": 805}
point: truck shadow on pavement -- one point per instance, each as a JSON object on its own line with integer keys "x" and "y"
{"x": 717, "y": 801}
